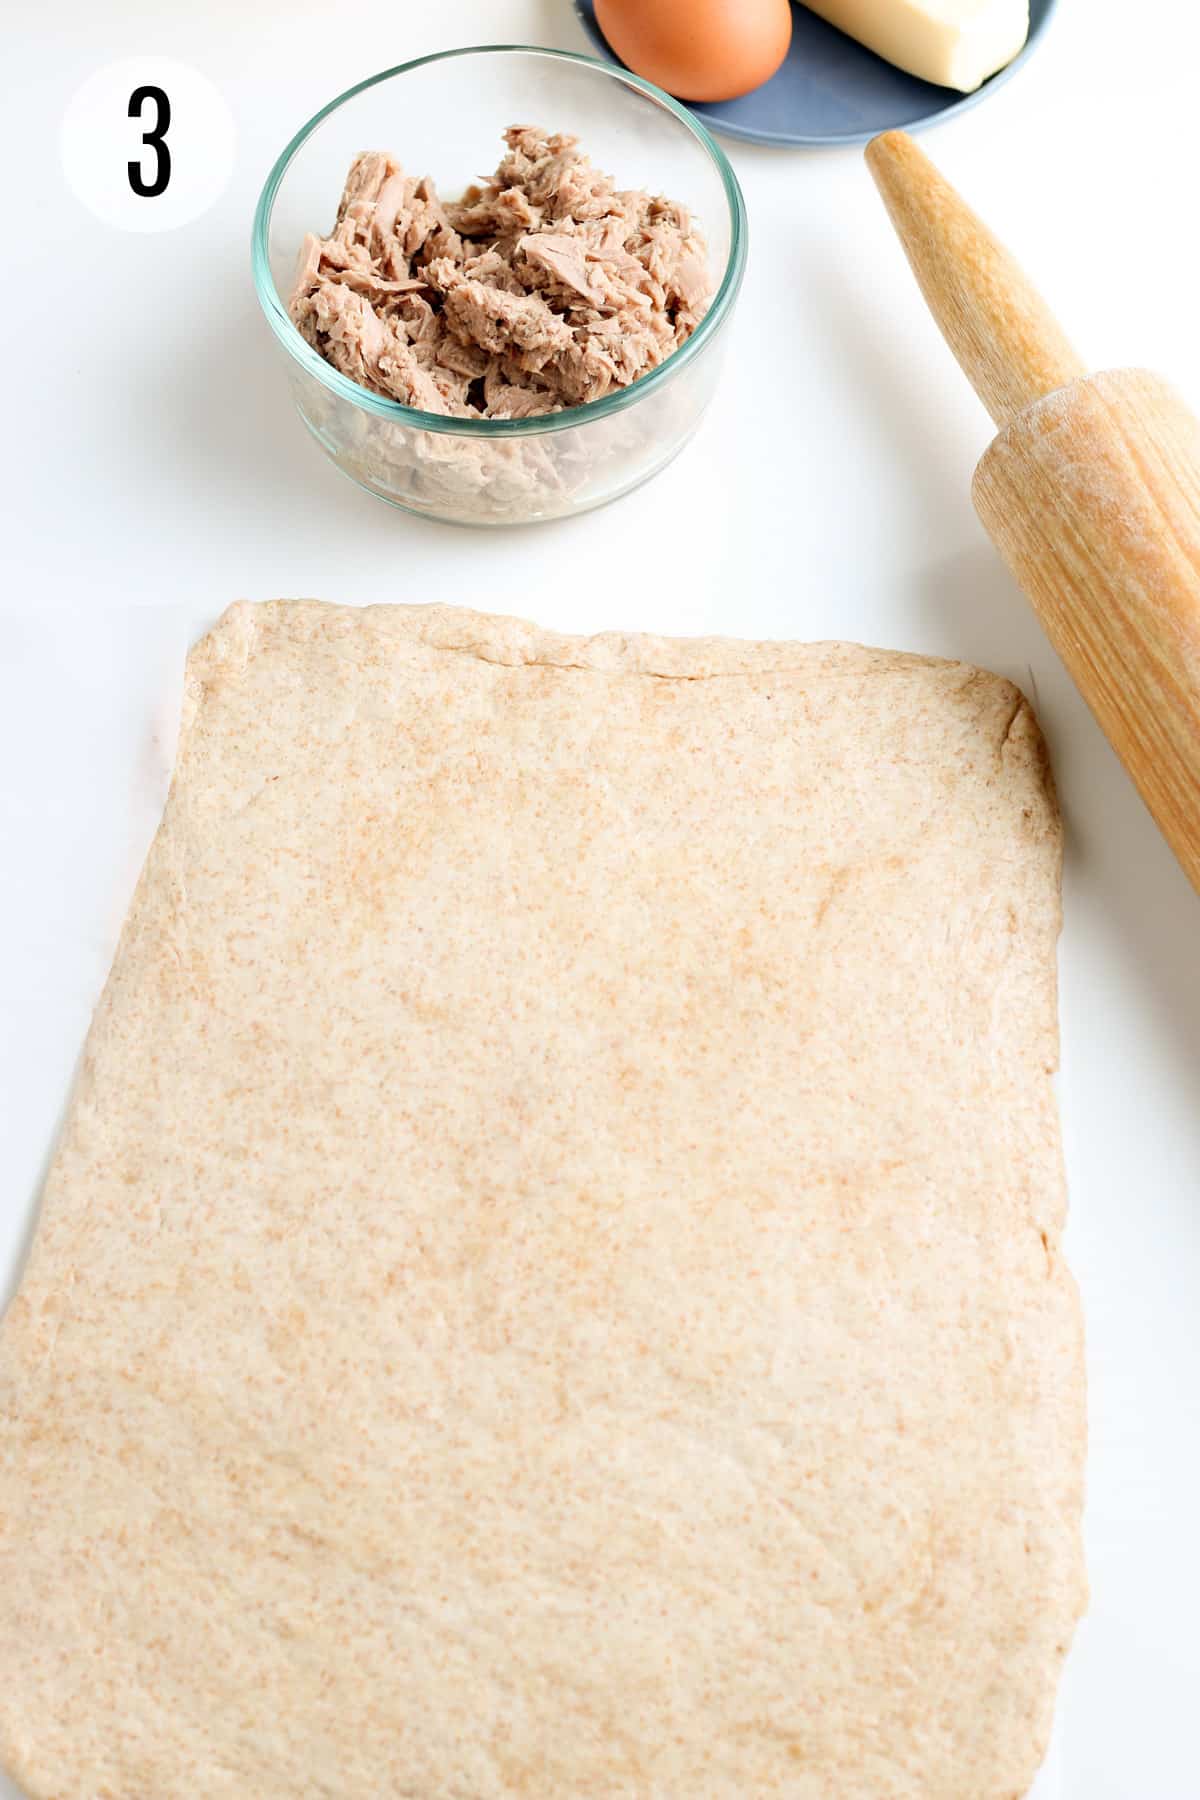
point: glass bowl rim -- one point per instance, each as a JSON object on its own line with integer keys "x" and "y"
{"x": 303, "y": 353}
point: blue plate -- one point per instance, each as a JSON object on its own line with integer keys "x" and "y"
{"x": 833, "y": 91}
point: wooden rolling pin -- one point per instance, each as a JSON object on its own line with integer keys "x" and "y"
{"x": 1091, "y": 491}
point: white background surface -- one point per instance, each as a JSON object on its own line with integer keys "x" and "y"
{"x": 152, "y": 472}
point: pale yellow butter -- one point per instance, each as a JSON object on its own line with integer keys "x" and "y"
{"x": 955, "y": 43}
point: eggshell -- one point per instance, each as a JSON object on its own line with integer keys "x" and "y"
{"x": 699, "y": 49}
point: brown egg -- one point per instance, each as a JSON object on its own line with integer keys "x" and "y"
{"x": 699, "y": 49}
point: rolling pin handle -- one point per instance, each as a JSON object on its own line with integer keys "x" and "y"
{"x": 1006, "y": 340}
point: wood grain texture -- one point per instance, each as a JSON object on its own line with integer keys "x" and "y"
{"x": 1006, "y": 340}
{"x": 1091, "y": 492}
{"x": 1093, "y": 499}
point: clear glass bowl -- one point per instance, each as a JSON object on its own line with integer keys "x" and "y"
{"x": 444, "y": 116}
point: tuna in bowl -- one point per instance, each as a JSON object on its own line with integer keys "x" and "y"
{"x": 511, "y": 350}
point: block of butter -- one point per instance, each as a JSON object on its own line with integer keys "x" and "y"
{"x": 955, "y": 43}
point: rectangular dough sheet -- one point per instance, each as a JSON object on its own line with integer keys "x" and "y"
{"x": 551, "y": 1280}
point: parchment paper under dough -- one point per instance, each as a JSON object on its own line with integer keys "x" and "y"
{"x": 551, "y": 1281}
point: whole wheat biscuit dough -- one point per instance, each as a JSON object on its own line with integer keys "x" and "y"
{"x": 551, "y": 1282}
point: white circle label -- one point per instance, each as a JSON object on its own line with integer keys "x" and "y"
{"x": 147, "y": 144}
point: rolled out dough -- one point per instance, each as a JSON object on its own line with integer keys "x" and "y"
{"x": 551, "y": 1284}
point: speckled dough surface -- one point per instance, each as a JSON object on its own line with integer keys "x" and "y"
{"x": 550, "y": 1284}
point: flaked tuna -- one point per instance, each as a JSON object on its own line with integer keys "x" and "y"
{"x": 541, "y": 288}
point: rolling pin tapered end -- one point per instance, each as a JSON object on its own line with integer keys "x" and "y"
{"x": 1006, "y": 340}
{"x": 1093, "y": 500}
